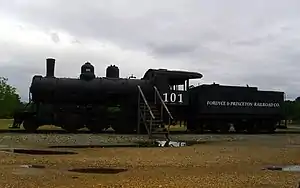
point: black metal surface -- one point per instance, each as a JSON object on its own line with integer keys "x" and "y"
{"x": 112, "y": 71}
{"x": 71, "y": 90}
{"x": 87, "y": 72}
{"x": 217, "y": 99}
{"x": 50, "y": 66}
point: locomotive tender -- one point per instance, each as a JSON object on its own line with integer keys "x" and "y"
{"x": 127, "y": 103}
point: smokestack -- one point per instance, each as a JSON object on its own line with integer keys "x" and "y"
{"x": 50, "y": 65}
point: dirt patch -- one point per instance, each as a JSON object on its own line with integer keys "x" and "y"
{"x": 38, "y": 152}
{"x": 98, "y": 170}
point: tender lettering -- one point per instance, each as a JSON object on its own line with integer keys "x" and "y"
{"x": 243, "y": 104}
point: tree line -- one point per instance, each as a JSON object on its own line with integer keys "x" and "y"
{"x": 292, "y": 110}
{"x": 10, "y": 101}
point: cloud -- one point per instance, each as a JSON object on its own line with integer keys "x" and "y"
{"x": 233, "y": 42}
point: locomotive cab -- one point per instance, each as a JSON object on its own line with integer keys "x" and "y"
{"x": 172, "y": 85}
{"x": 173, "y": 89}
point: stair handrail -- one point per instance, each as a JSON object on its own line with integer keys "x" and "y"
{"x": 144, "y": 98}
{"x": 163, "y": 103}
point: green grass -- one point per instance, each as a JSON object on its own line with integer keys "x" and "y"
{"x": 5, "y": 123}
{"x": 176, "y": 128}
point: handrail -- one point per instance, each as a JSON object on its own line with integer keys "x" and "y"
{"x": 144, "y": 98}
{"x": 166, "y": 108}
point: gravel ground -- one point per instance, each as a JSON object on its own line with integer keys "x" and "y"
{"x": 224, "y": 161}
{"x": 74, "y": 139}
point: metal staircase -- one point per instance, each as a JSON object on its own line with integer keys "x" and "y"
{"x": 151, "y": 116}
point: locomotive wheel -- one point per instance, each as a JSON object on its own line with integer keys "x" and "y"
{"x": 30, "y": 125}
{"x": 195, "y": 127}
{"x": 224, "y": 127}
{"x": 72, "y": 122}
{"x": 123, "y": 121}
{"x": 123, "y": 125}
{"x": 124, "y": 129}
{"x": 212, "y": 127}
{"x": 270, "y": 126}
{"x": 271, "y": 129}
{"x": 252, "y": 127}
{"x": 96, "y": 126}
{"x": 69, "y": 128}
{"x": 240, "y": 126}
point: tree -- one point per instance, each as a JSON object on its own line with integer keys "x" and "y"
{"x": 9, "y": 99}
{"x": 292, "y": 110}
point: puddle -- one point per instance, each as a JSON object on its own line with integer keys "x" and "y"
{"x": 28, "y": 171}
{"x": 96, "y": 146}
{"x": 292, "y": 168}
{"x": 32, "y": 166}
{"x": 289, "y": 168}
{"x": 293, "y": 145}
{"x": 98, "y": 170}
{"x": 136, "y": 144}
{"x": 163, "y": 143}
{"x": 38, "y": 152}
{"x": 35, "y": 170}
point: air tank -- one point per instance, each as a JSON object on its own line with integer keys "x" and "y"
{"x": 112, "y": 71}
{"x": 87, "y": 71}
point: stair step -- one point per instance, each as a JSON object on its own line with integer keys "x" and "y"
{"x": 156, "y": 116}
{"x": 151, "y": 106}
{"x": 159, "y": 129}
{"x": 152, "y": 109}
{"x": 153, "y": 112}
{"x": 155, "y": 120}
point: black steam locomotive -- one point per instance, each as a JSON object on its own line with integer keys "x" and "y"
{"x": 160, "y": 98}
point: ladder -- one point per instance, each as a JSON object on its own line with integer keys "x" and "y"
{"x": 151, "y": 116}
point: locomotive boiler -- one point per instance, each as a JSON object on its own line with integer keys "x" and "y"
{"x": 87, "y": 89}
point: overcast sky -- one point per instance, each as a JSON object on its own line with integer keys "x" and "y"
{"x": 230, "y": 42}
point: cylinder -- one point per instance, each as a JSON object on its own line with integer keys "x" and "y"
{"x": 112, "y": 71}
{"x": 50, "y": 66}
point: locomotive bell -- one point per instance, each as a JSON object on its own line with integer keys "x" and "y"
{"x": 112, "y": 71}
{"x": 87, "y": 71}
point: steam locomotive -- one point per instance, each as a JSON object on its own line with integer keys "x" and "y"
{"x": 161, "y": 97}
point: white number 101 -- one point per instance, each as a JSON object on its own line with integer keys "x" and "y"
{"x": 173, "y": 97}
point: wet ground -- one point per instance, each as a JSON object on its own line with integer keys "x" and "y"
{"x": 87, "y": 160}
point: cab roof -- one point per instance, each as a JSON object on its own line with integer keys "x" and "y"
{"x": 172, "y": 74}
